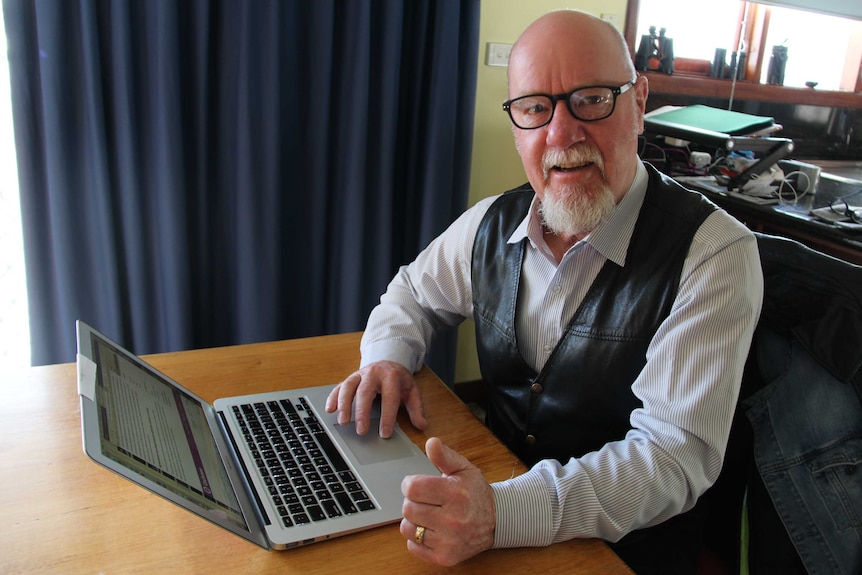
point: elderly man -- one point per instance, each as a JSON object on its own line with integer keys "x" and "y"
{"x": 614, "y": 312}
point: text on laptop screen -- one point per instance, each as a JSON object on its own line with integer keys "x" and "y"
{"x": 160, "y": 432}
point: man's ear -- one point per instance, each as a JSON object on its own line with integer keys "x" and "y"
{"x": 641, "y": 93}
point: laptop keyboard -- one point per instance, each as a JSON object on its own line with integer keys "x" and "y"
{"x": 305, "y": 474}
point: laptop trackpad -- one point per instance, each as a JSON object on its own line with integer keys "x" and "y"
{"x": 370, "y": 448}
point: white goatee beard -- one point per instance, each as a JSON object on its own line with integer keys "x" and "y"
{"x": 578, "y": 212}
{"x": 575, "y": 210}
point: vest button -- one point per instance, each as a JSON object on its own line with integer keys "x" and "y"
{"x": 536, "y": 388}
{"x": 530, "y": 439}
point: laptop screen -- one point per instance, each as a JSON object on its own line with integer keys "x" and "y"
{"x": 160, "y": 432}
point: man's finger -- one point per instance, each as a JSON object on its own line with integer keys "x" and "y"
{"x": 446, "y": 460}
{"x": 332, "y": 399}
{"x": 390, "y": 402}
{"x": 416, "y": 409}
{"x": 363, "y": 405}
{"x": 340, "y": 400}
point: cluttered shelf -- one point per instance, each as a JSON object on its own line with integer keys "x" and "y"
{"x": 741, "y": 163}
{"x": 790, "y": 219}
{"x": 743, "y": 90}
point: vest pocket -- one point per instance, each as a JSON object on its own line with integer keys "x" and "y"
{"x": 838, "y": 476}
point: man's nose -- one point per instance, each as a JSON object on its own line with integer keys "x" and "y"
{"x": 564, "y": 129}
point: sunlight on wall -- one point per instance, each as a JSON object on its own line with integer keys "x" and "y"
{"x": 14, "y": 323}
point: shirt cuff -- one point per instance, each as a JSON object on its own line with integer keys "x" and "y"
{"x": 524, "y": 515}
{"x": 390, "y": 350}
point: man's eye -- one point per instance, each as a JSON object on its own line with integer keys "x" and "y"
{"x": 532, "y": 107}
{"x": 592, "y": 100}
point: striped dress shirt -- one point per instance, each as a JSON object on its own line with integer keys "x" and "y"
{"x": 688, "y": 387}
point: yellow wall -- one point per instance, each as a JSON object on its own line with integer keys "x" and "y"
{"x": 496, "y": 166}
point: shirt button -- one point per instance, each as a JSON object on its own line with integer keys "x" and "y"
{"x": 556, "y": 289}
{"x": 536, "y": 388}
{"x": 530, "y": 439}
{"x": 850, "y": 470}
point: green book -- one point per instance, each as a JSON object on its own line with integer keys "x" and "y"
{"x": 710, "y": 119}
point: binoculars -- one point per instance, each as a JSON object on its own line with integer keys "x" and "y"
{"x": 655, "y": 52}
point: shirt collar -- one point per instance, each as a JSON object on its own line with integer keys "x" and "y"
{"x": 610, "y": 238}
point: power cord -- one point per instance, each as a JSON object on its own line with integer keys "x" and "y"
{"x": 796, "y": 194}
{"x": 764, "y": 186}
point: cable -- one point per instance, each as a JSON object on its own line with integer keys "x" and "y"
{"x": 796, "y": 194}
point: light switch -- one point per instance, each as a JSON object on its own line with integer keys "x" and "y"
{"x": 497, "y": 54}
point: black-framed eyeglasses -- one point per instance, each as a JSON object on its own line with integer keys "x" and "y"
{"x": 588, "y": 104}
{"x": 841, "y": 206}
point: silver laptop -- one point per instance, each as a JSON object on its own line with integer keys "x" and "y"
{"x": 274, "y": 468}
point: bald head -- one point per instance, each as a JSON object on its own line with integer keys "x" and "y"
{"x": 586, "y": 44}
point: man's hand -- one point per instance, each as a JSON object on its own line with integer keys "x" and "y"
{"x": 456, "y": 510}
{"x": 395, "y": 385}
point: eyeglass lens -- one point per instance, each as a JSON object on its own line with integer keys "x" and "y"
{"x": 584, "y": 104}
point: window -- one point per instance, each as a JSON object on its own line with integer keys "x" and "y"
{"x": 692, "y": 40}
{"x": 820, "y": 48}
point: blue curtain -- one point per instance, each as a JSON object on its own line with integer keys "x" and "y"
{"x": 198, "y": 173}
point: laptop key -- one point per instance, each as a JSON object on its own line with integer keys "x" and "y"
{"x": 303, "y": 490}
{"x": 331, "y": 507}
{"x": 301, "y": 519}
{"x": 345, "y": 502}
{"x": 295, "y": 508}
{"x": 316, "y": 513}
{"x": 332, "y": 453}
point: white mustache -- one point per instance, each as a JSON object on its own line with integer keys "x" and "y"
{"x": 573, "y": 157}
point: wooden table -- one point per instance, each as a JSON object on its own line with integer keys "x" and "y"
{"x": 62, "y": 513}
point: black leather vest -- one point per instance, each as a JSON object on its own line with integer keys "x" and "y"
{"x": 582, "y": 398}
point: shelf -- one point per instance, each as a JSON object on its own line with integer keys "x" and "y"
{"x": 719, "y": 88}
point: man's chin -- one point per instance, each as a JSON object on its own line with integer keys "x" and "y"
{"x": 567, "y": 218}
{"x": 564, "y": 222}
{"x": 569, "y": 230}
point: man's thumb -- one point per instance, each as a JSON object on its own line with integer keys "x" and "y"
{"x": 446, "y": 460}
